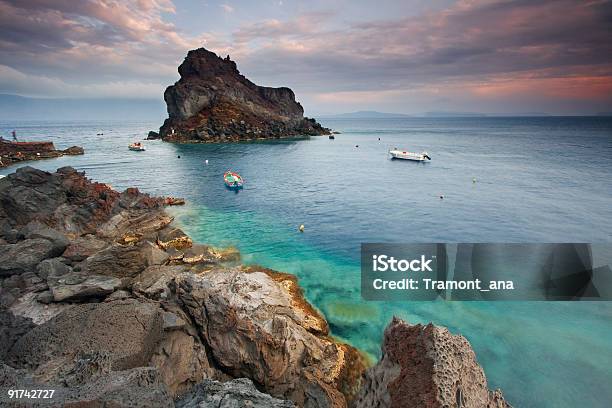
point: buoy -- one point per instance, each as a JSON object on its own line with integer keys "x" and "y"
{"x": 301, "y": 228}
{"x": 441, "y": 196}
{"x": 379, "y": 138}
{"x": 179, "y": 156}
{"x": 473, "y": 179}
{"x": 206, "y": 161}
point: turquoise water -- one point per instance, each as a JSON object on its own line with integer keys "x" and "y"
{"x": 538, "y": 180}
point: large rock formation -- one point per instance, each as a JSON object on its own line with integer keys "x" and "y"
{"x": 256, "y": 327}
{"x": 426, "y": 367}
{"x": 213, "y": 102}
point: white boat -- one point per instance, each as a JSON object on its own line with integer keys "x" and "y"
{"x": 405, "y": 155}
{"x": 137, "y": 147}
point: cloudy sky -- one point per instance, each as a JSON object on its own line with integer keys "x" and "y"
{"x": 492, "y": 56}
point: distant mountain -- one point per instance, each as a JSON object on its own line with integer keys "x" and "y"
{"x": 14, "y": 107}
{"x": 453, "y": 114}
{"x": 365, "y": 114}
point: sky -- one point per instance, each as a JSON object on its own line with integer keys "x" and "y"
{"x": 490, "y": 56}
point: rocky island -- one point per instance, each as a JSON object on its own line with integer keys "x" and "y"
{"x": 15, "y": 152}
{"x": 106, "y": 302}
{"x": 213, "y": 102}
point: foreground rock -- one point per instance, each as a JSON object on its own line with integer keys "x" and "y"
{"x": 237, "y": 393}
{"x": 213, "y": 102}
{"x": 106, "y": 301}
{"x": 426, "y": 367}
{"x": 256, "y": 328}
{"x": 15, "y": 152}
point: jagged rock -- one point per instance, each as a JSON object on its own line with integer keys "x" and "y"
{"x": 153, "y": 281}
{"x": 83, "y": 247}
{"x": 25, "y": 255}
{"x": 255, "y": 328}
{"x": 182, "y": 361}
{"x": 199, "y": 253}
{"x": 213, "y": 102}
{"x": 74, "y": 151}
{"x": 144, "y": 223}
{"x": 77, "y": 286}
{"x": 172, "y": 321}
{"x": 70, "y": 203}
{"x": 28, "y": 306}
{"x": 171, "y": 237}
{"x": 136, "y": 388}
{"x": 36, "y": 229}
{"x": 15, "y": 152}
{"x": 52, "y": 267}
{"x": 238, "y": 393}
{"x": 120, "y": 261}
{"x": 118, "y": 295}
{"x": 127, "y": 330}
{"x": 426, "y": 367}
{"x": 153, "y": 254}
{"x": 45, "y": 297}
{"x": 11, "y": 329}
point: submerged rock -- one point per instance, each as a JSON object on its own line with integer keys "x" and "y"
{"x": 426, "y": 367}
{"x": 213, "y": 102}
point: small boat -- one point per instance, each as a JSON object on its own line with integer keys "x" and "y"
{"x": 405, "y": 155}
{"x": 233, "y": 180}
{"x": 332, "y": 137}
{"x": 137, "y": 147}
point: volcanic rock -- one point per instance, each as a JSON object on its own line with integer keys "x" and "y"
{"x": 25, "y": 255}
{"x": 77, "y": 286}
{"x": 426, "y": 367}
{"x": 237, "y": 393}
{"x": 15, "y": 152}
{"x": 127, "y": 330}
{"x": 255, "y": 328}
{"x": 213, "y": 102}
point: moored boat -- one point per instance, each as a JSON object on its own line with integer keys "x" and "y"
{"x": 406, "y": 155}
{"x": 137, "y": 147}
{"x": 233, "y": 180}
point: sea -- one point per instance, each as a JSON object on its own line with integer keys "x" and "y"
{"x": 506, "y": 179}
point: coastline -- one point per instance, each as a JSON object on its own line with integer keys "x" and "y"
{"x": 17, "y": 152}
{"x": 123, "y": 255}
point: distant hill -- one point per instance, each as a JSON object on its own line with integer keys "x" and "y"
{"x": 453, "y": 114}
{"x": 365, "y": 114}
{"x": 14, "y": 107}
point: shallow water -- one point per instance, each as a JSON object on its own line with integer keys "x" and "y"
{"x": 537, "y": 180}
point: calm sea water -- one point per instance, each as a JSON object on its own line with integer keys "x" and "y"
{"x": 538, "y": 180}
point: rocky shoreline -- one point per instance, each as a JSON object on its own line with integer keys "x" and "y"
{"x": 105, "y": 301}
{"x": 16, "y": 152}
{"x": 212, "y": 103}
